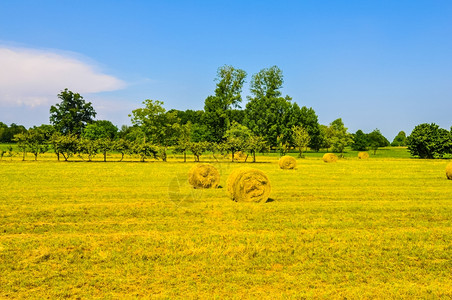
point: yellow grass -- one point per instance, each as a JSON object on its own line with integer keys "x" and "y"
{"x": 373, "y": 229}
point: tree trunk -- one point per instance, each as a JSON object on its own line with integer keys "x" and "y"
{"x": 105, "y": 156}
{"x": 185, "y": 156}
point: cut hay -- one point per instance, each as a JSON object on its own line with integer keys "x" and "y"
{"x": 287, "y": 162}
{"x": 204, "y": 176}
{"x": 330, "y": 158}
{"x": 449, "y": 171}
{"x": 248, "y": 185}
{"x": 363, "y": 155}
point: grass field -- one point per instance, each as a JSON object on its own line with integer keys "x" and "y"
{"x": 379, "y": 228}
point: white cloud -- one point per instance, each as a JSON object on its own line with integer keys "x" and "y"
{"x": 34, "y": 78}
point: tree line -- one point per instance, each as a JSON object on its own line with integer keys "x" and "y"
{"x": 269, "y": 120}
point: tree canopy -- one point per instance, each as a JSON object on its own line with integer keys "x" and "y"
{"x": 429, "y": 141}
{"x": 72, "y": 114}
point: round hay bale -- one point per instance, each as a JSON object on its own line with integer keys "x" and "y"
{"x": 449, "y": 171}
{"x": 239, "y": 156}
{"x": 248, "y": 185}
{"x": 204, "y": 176}
{"x": 363, "y": 155}
{"x": 330, "y": 158}
{"x": 287, "y": 162}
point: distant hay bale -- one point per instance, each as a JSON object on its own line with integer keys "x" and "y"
{"x": 363, "y": 155}
{"x": 449, "y": 171}
{"x": 240, "y": 156}
{"x": 204, "y": 176}
{"x": 287, "y": 162}
{"x": 248, "y": 185}
{"x": 330, "y": 158}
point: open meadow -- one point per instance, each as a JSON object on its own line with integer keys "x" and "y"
{"x": 376, "y": 228}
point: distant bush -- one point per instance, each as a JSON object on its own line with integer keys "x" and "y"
{"x": 399, "y": 140}
{"x": 429, "y": 141}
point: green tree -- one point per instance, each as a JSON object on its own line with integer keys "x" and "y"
{"x": 144, "y": 150}
{"x": 134, "y": 133}
{"x": 429, "y": 141}
{"x": 7, "y": 133}
{"x": 377, "y": 140}
{"x": 3, "y": 131}
{"x": 33, "y": 141}
{"x": 301, "y": 138}
{"x": 310, "y": 121}
{"x": 325, "y": 137}
{"x": 227, "y": 96}
{"x": 400, "y": 139}
{"x": 72, "y": 114}
{"x": 183, "y": 142}
{"x": 123, "y": 146}
{"x": 237, "y": 137}
{"x": 100, "y": 129}
{"x": 360, "y": 141}
{"x": 22, "y": 143}
{"x": 198, "y": 148}
{"x": 105, "y": 145}
{"x": 46, "y": 130}
{"x": 37, "y": 140}
{"x": 192, "y": 116}
{"x": 65, "y": 145}
{"x": 199, "y": 133}
{"x": 267, "y": 112}
{"x": 340, "y": 138}
{"x": 160, "y": 128}
{"x": 256, "y": 144}
{"x": 87, "y": 146}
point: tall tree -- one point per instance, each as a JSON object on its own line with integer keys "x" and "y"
{"x": 429, "y": 141}
{"x": 7, "y": 133}
{"x": 300, "y": 138}
{"x": 227, "y": 96}
{"x": 377, "y": 140}
{"x": 72, "y": 114}
{"x": 360, "y": 141}
{"x": 340, "y": 137}
{"x": 400, "y": 139}
{"x": 66, "y": 145}
{"x": 256, "y": 144}
{"x": 183, "y": 141}
{"x": 237, "y": 137}
{"x": 161, "y": 128}
{"x": 267, "y": 111}
{"x": 99, "y": 130}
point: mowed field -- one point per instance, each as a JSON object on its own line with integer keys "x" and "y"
{"x": 378, "y": 228}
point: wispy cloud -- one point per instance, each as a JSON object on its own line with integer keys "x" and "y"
{"x": 34, "y": 77}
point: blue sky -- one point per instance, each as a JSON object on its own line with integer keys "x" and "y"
{"x": 375, "y": 64}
